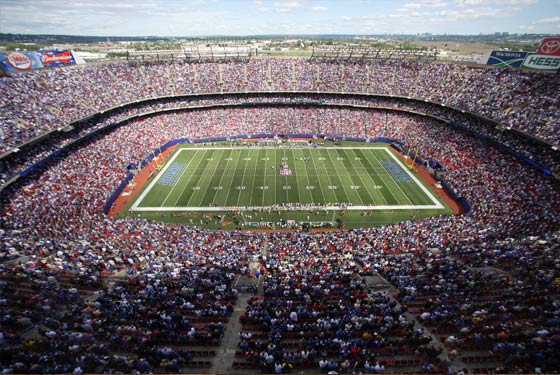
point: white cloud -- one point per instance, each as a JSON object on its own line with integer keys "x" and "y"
{"x": 497, "y": 2}
{"x": 424, "y": 4}
{"x": 549, "y": 20}
{"x": 318, "y": 8}
{"x": 542, "y": 21}
{"x": 282, "y": 6}
{"x": 411, "y": 6}
{"x": 517, "y": 2}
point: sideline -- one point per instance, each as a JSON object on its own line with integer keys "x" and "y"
{"x": 139, "y": 181}
{"x": 430, "y": 180}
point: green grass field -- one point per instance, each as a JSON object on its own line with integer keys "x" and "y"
{"x": 258, "y": 186}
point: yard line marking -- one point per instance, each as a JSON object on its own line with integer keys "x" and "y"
{"x": 188, "y": 181}
{"x": 319, "y": 180}
{"x": 232, "y": 179}
{"x": 343, "y": 189}
{"x": 307, "y": 176}
{"x": 296, "y": 181}
{"x": 242, "y": 178}
{"x": 275, "y": 181}
{"x": 365, "y": 176}
{"x": 376, "y": 197}
{"x": 286, "y": 180}
{"x": 221, "y": 177}
{"x": 254, "y": 176}
{"x": 354, "y": 169}
{"x": 203, "y": 177}
{"x": 264, "y": 177}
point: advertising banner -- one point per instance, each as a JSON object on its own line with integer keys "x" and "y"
{"x": 20, "y": 61}
{"x": 549, "y": 47}
{"x": 507, "y": 58}
{"x": 547, "y": 56}
{"x": 57, "y": 58}
{"x": 15, "y": 61}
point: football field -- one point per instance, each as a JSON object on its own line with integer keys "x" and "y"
{"x": 299, "y": 177}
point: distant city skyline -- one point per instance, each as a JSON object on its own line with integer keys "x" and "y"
{"x": 257, "y": 17}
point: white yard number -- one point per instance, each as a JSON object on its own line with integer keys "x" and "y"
{"x": 310, "y": 187}
{"x": 217, "y": 187}
{"x": 357, "y": 158}
{"x": 265, "y": 159}
{"x": 284, "y": 158}
{"x": 196, "y": 188}
{"x": 377, "y": 187}
{"x": 286, "y": 187}
{"x": 339, "y": 158}
{"x": 333, "y": 187}
{"x": 246, "y": 158}
{"x": 210, "y": 159}
{"x": 228, "y": 159}
{"x": 321, "y": 158}
{"x": 354, "y": 187}
{"x": 265, "y": 187}
{"x": 240, "y": 187}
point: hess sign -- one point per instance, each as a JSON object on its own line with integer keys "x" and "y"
{"x": 547, "y": 56}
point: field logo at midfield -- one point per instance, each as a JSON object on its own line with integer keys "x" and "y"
{"x": 285, "y": 170}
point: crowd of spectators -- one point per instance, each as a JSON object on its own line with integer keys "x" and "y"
{"x": 317, "y": 311}
{"x": 486, "y": 280}
{"x": 53, "y": 225}
{"x": 364, "y": 125}
{"x": 50, "y": 99}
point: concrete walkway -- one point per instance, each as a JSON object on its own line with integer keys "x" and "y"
{"x": 225, "y": 354}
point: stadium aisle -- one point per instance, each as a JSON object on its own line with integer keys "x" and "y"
{"x": 223, "y": 361}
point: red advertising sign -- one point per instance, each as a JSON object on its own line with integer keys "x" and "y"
{"x": 549, "y": 47}
{"x": 53, "y": 58}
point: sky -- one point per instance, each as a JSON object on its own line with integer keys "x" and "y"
{"x": 255, "y": 17}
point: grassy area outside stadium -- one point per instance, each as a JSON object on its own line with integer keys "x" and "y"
{"x": 286, "y": 185}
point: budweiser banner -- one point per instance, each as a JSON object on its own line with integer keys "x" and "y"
{"x": 57, "y": 58}
{"x": 17, "y": 61}
{"x": 547, "y": 56}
